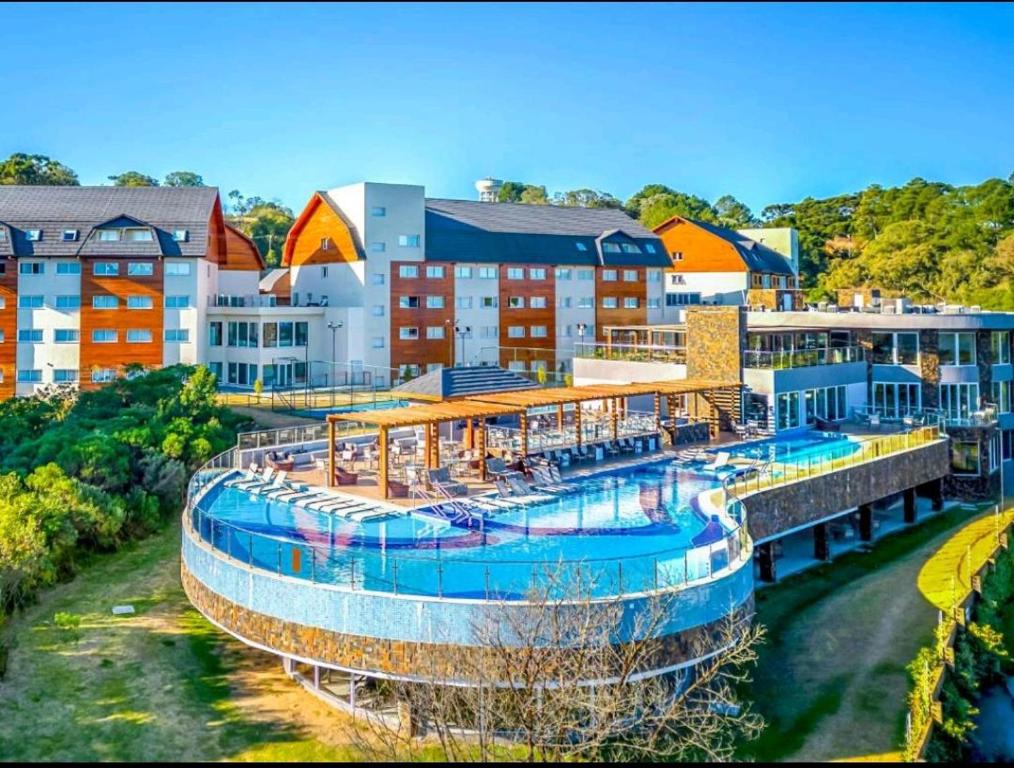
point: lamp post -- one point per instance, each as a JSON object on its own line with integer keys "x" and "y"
{"x": 462, "y": 332}
{"x": 581, "y": 327}
{"x": 334, "y": 326}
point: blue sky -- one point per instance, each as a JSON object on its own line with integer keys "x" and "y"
{"x": 768, "y": 102}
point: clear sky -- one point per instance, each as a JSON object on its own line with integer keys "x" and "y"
{"x": 768, "y": 102}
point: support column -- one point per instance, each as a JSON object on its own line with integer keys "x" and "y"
{"x": 435, "y": 464}
{"x": 482, "y": 448}
{"x": 382, "y": 464}
{"x": 866, "y": 522}
{"x": 577, "y": 422}
{"x": 766, "y": 558}
{"x": 910, "y": 510}
{"x": 469, "y": 436}
{"x": 821, "y": 546}
{"x": 712, "y": 416}
{"x": 614, "y": 419}
{"x": 523, "y": 421}
{"x": 937, "y": 493}
{"x": 330, "y": 454}
{"x": 658, "y": 412}
{"x": 427, "y": 446}
{"x": 559, "y": 417}
{"x": 670, "y": 401}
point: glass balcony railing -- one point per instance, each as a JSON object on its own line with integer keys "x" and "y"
{"x": 801, "y": 358}
{"x": 636, "y": 352}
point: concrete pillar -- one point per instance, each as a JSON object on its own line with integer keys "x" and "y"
{"x": 766, "y": 557}
{"x": 821, "y": 545}
{"x": 937, "y": 493}
{"x": 910, "y": 512}
{"x": 865, "y": 522}
{"x": 407, "y": 717}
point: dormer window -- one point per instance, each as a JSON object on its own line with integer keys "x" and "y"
{"x": 69, "y": 235}
{"x": 677, "y": 255}
{"x": 109, "y": 235}
{"x": 649, "y": 247}
{"x": 3, "y": 234}
{"x": 180, "y": 235}
{"x": 630, "y": 248}
{"x": 610, "y": 247}
{"x": 33, "y": 235}
{"x": 325, "y": 243}
{"x": 137, "y": 235}
{"x": 581, "y": 246}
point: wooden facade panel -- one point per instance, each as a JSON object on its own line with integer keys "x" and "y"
{"x": 319, "y": 236}
{"x": 241, "y": 252}
{"x": 528, "y": 349}
{"x": 8, "y": 326}
{"x": 120, "y": 353}
{"x": 421, "y": 351}
{"x": 620, "y": 289}
{"x": 701, "y": 250}
{"x": 217, "y": 248}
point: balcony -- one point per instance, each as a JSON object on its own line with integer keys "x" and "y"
{"x": 654, "y": 353}
{"x": 802, "y": 358}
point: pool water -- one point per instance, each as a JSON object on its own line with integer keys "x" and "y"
{"x": 630, "y": 530}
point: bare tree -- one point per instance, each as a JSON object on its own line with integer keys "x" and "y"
{"x": 551, "y": 681}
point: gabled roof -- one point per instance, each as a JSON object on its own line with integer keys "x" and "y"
{"x": 320, "y": 197}
{"x": 449, "y": 383}
{"x": 54, "y": 209}
{"x": 466, "y": 230}
{"x": 756, "y": 256}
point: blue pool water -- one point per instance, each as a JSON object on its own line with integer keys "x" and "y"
{"x": 626, "y": 531}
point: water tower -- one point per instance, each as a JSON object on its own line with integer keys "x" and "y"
{"x": 489, "y": 189}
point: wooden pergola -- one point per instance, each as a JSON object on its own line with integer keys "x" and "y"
{"x": 473, "y": 412}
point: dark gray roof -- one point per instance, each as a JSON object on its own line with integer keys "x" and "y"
{"x": 466, "y": 230}
{"x": 54, "y": 209}
{"x": 459, "y": 382}
{"x": 758, "y": 257}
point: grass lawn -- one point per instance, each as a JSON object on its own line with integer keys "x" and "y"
{"x": 831, "y": 680}
{"x": 162, "y": 684}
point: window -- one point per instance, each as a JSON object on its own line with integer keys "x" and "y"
{"x": 682, "y": 299}
{"x": 33, "y": 235}
{"x": 109, "y": 235}
{"x": 562, "y": 274}
{"x": 629, "y": 248}
{"x": 408, "y": 271}
{"x": 30, "y": 302}
{"x": 1001, "y": 396}
{"x": 215, "y": 334}
{"x": 140, "y": 302}
{"x": 137, "y": 235}
{"x": 378, "y": 210}
{"x": 29, "y": 375}
{"x": 177, "y": 302}
{"x": 140, "y": 268}
{"x": 244, "y": 374}
{"x": 609, "y": 302}
{"x": 649, "y": 247}
{"x": 564, "y": 302}
{"x": 68, "y": 302}
{"x": 105, "y": 302}
{"x": 957, "y": 401}
{"x": 377, "y": 342}
{"x": 787, "y": 414}
{"x": 630, "y": 275}
{"x": 323, "y": 271}
{"x": 537, "y": 302}
{"x": 408, "y": 369}
{"x": 302, "y": 334}
{"x": 538, "y": 331}
{"x": 487, "y": 273}
{"x": 64, "y": 375}
{"x": 957, "y": 348}
{"x": 677, "y": 255}
{"x": 178, "y": 269}
{"x": 69, "y": 235}
{"x": 270, "y": 335}
{"x": 1000, "y": 346}
{"x": 463, "y": 272}
{"x": 610, "y": 247}
{"x": 100, "y": 375}
{"x": 488, "y": 302}
{"x": 895, "y": 400}
{"x": 408, "y": 333}
{"x": 515, "y": 273}
{"x": 408, "y": 302}
{"x": 609, "y": 275}
{"x": 654, "y": 303}
{"x": 435, "y": 272}
{"x": 832, "y": 402}
{"x": 586, "y": 274}
{"x": 631, "y": 302}
{"x": 180, "y": 235}
{"x": 68, "y": 268}
{"x": 3, "y": 302}
{"x": 434, "y": 302}
{"x": 408, "y": 241}
{"x": 515, "y": 331}
{"x": 325, "y": 243}
{"x": 241, "y": 334}
{"x": 31, "y": 268}
{"x": 377, "y": 278}
{"x": 105, "y": 268}
{"x": 516, "y": 302}
{"x": 537, "y": 274}
{"x": 378, "y": 247}
{"x": 435, "y": 332}
{"x": 105, "y": 336}
{"x": 585, "y": 302}
{"x": 964, "y": 457}
{"x": 66, "y": 335}
{"x": 463, "y": 302}
{"x": 489, "y": 332}
{"x": 581, "y": 246}
{"x": 285, "y": 337}
{"x": 180, "y": 335}
{"x": 141, "y": 336}
{"x": 895, "y": 348}
{"x": 30, "y": 335}
{"x": 654, "y": 275}
{"x": 378, "y": 310}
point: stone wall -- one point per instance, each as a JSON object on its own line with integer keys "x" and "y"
{"x": 929, "y": 368}
{"x": 776, "y": 510}
{"x": 716, "y": 336}
{"x": 980, "y": 486}
{"x": 772, "y": 299}
{"x": 413, "y": 660}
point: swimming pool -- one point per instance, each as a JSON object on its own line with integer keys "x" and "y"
{"x": 626, "y": 531}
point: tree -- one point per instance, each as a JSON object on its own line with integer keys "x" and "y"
{"x": 586, "y": 198}
{"x": 133, "y": 179}
{"x": 733, "y": 214}
{"x": 510, "y": 192}
{"x": 534, "y": 195}
{"x": 21, "y": 168}
{"x": 658, "y": 208}
{"x": 183, "y": 179}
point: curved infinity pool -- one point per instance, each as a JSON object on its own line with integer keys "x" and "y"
{"x": 626, "y": 531}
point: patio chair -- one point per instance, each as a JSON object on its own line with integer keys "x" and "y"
{"x": 276, "y": 485}
{"x": 544, "y": 481}
{"x": 267, "y": 477}
{"x": 557, "y": 478}
{"x": 250, "y": 475}
{"x": 507, "y": 495}
{"x": 344, "y": 477}
{"x": 583, "y": 454}
{"x": 721, "y": 460}
{"x": 495, "y": 465}
{"x": 611, "y": 448}
{"x": 440, "y": 479}
{"x": 522, "y": 490}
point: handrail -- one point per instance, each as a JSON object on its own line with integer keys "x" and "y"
{"x": 802, "y": 358}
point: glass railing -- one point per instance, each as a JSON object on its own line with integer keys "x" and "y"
{"x": 923, "y": 416}
{"x": 594, "y": 429}
{"x": 635, "y": 352}
{"x": 801, "y": 358}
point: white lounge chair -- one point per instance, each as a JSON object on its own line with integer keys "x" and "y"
{"x": 278, "y": 485}
{"x": 265, "y": 479}
{"x": 250, "y": 475}
{"x": 721, "y": 460}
